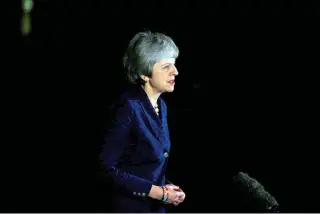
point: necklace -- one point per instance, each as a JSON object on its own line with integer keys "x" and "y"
{"x": 156, "y": 108}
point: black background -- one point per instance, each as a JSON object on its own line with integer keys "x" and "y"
{"x": 245, "y": 100}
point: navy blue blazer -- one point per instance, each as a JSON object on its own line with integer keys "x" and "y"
{"x": 135, "y": 151}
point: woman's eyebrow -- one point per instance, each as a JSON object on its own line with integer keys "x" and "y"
{"x": 168, "y": 63}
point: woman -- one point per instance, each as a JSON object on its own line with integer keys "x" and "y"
{"x": 137, "y": 143}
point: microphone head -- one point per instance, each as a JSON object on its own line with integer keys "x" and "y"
{"x": 27, "y": 5}
{"x": 256, "y": 191}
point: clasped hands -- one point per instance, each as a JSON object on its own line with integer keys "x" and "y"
{"x": 175, "y": 195}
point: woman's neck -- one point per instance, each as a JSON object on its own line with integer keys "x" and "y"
{"x": 152, "y": 94}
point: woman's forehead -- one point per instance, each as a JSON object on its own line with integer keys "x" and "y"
{"x": 166, "y": 61}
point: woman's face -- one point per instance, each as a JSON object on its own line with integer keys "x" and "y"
{"x": 163, "y": 75}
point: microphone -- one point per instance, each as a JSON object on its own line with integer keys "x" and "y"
{"x": 260, "y": 196}
{"x": 25, "y": 25}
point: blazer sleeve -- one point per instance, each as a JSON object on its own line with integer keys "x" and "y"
{"x": 115, "y": 141}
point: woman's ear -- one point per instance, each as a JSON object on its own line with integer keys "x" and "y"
{"x": 145, "y": 78}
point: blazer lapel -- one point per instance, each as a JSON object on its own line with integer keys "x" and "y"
{"x": 164, "y": 124}
{"x": 155, "y": 122}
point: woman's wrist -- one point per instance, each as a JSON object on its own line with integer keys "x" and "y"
{"x": 156, "y": 192}
{"x": 165, "y": 194}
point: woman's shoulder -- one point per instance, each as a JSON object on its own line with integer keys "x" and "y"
{"x": 119, "y": 102}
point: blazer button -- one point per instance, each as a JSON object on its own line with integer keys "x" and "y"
{"x": 166, "y": 154}
{"x": 143, "y": 194}
{"x": 134, "y": 193}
